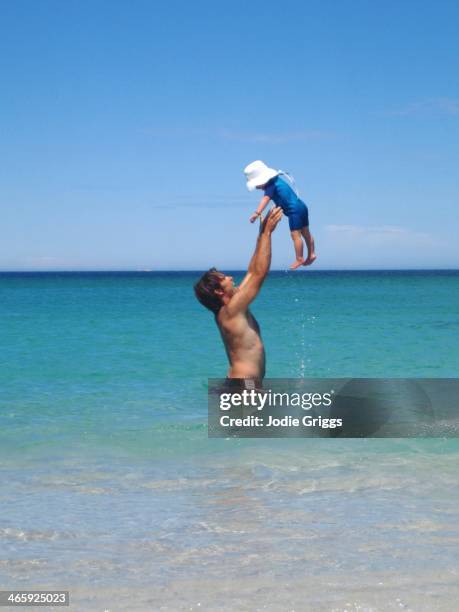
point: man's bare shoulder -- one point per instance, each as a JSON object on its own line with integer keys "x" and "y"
{"x": 228, "y": 316}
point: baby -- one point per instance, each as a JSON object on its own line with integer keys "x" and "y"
{"x": 259, "y": 176}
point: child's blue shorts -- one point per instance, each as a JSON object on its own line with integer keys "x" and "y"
{"x": 299, "y": 218}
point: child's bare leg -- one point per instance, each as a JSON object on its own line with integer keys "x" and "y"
{"x": 310, "y": 244}
{"x": 298, "y": 244}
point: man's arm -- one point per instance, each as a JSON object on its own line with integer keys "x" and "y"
{"x": 258, "y": 267}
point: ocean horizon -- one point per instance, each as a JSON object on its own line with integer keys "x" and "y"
{"x": 309, "y": 270}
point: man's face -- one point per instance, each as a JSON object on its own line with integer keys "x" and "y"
{"x": 227, "y": 284}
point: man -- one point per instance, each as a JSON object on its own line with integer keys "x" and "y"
{"x": 239, "y": 330}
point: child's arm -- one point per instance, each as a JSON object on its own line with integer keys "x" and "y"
{"x": 261, "y": 206}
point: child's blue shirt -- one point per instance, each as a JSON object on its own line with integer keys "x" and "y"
{"x": 280, "y": 192}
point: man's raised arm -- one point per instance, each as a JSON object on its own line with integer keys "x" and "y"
{"x": 258, "y": 267}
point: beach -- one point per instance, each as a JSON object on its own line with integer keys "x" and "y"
{"x": 112, "y": 490}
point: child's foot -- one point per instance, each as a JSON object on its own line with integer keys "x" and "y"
{"x": 296, "y": 264}
{"x": 311, "y": 259}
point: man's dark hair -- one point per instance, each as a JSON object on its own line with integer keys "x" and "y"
{"x": 205, "y": 288}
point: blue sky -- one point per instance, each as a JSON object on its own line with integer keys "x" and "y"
{"x": 124, "y": 129}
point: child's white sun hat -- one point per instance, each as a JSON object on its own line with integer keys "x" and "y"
{"x": 257, "y": 173}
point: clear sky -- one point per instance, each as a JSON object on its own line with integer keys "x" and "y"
{"x": 125, "y": 126}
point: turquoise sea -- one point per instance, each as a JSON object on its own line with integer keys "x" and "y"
{"x": 111, "y": 489}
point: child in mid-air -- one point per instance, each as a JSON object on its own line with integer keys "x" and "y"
{"x": 275, "y": 188}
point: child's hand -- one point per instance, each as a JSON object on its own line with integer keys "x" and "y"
{"x": 253, "y": 217}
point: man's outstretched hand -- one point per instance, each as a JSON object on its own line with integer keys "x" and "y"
{"x": 271, "y": 220}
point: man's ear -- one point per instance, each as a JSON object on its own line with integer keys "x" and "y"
{"x": 219, "y": 292}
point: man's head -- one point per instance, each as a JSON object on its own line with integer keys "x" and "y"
{"x": 214, "y": 289}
